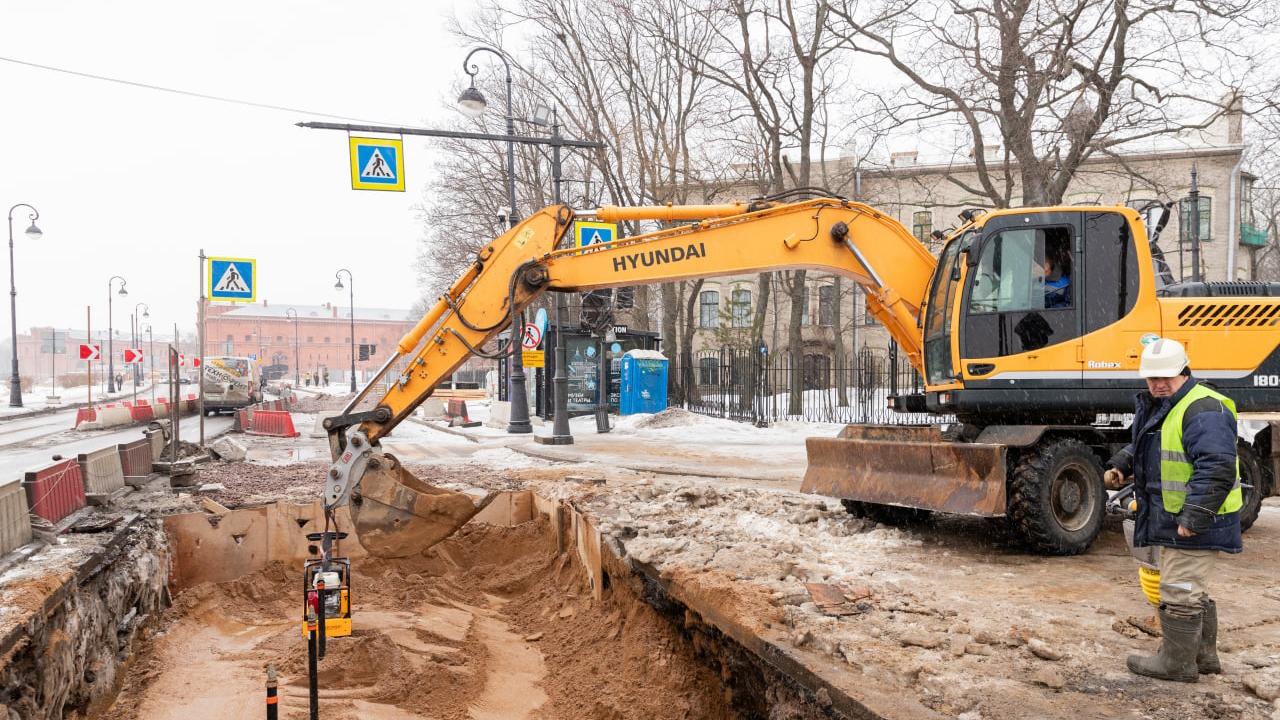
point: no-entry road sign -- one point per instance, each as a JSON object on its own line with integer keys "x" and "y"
{"x": 532, "y": 336}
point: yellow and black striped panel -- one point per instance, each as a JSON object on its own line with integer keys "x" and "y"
{"x": 1229, "y": 313}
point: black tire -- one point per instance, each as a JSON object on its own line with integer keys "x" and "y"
{"x": 1056, "y": 498}
{"x": 1255, "y": 483}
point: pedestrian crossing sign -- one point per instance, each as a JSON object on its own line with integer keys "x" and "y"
{"x": 594, "y": 233}
{"x": 377, "y": 164}
{"x": 233, "y": 279}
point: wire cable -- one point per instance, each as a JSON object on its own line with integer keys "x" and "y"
{"x": 199, "y": 95}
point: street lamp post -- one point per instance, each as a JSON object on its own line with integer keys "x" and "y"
{"x": 33, "y": 232}
{"x": 291, "y": 313}
{"x": 473, "y": 104}
{"x": 136, "y": 323}
{"x": 351, "y": 291}
{"x": 111, "y": 368}
{"x": 151, "y": 362}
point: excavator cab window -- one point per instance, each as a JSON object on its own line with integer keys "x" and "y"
{"x": 937, "y": 322}
{"x": 1022, "y": 292}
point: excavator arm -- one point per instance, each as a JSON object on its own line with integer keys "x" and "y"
{"x": 396, "y": 514}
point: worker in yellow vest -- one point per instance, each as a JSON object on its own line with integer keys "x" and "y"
{"x": 1187, "y": 480}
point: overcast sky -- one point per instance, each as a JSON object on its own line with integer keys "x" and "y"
{"x": 135, "y": 182}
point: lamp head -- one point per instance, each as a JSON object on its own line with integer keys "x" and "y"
{"x": 542, "y": 115}
{"x": 472, "y": 102}
{"x": 34, "y": 232}
{"x": 338, "y": 285}
{"x": 122, "y": 290}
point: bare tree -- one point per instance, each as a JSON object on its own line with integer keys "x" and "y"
{"x": 1040, "y": 86}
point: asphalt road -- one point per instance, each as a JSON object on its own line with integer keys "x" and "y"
{"x": 28, "y": 443}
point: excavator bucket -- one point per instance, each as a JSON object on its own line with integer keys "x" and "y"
{"x": 396, "y": 515}
{"x": 908, "y": 466}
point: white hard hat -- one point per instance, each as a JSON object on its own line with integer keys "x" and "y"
{"x": 1163, "y": 359}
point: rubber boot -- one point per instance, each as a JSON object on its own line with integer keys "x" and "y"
{"x": 1177, "y": 657}
{"x": 1207, "y": 658}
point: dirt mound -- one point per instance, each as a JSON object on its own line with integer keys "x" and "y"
{"x": 490, "y": 624}
{"x": 671, "y": 417}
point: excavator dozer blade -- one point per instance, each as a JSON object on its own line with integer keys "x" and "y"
{"x": 908, "y": 466}
{"x": 397, "y": 515}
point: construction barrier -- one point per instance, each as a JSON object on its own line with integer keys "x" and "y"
{"x": 56, "y": 491}
{"x": 141, "y": 412}
{"x": 161, "y": 408}
{"x": 456, "y": 413}
{"x": 135, "y": 461}
{"x": 15, "y": 524}
{"x": 86, "y": 414}
{"x": 103, "y": 475}
{"x": 276, "y": 423}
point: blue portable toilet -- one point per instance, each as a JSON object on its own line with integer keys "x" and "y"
{"x": 644, "y": 382}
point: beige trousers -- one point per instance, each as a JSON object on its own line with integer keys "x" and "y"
{"x": 1184, "y": 577}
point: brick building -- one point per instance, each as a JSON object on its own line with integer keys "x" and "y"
{"x": 323, "y": 334}
{"x": 48, "y": 351}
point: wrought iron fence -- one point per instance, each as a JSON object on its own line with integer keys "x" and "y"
{"x": 754, "y": 387}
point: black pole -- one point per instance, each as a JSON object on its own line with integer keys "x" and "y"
{"x": 602, "y": 389}
{"x": 1196, "y": 275}
{"x": 351, "y": 300}
{"x": 296, "y": 381}
{"x": 313, "y": 689}
{"x": 15, "y": 382}
{"x": 273, "y": 707}
{"x": 111, "y": 368}
{"x": 320, "y": 628}
{"x": 560, "y": 433}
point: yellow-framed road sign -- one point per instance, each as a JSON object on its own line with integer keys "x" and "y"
{"x": 232, "y": 279}
{"x": 377, "y": 163}
{"x": 588, "y": 232}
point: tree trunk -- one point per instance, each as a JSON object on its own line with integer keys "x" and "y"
{"x": 795, "y": 342}
{"x": 690, "y": 326}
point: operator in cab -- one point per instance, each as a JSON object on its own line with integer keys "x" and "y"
{"x": 1182, "y": 458}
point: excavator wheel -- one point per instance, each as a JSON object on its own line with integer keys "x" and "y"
{"x": 1056, "y": 497}
{"x": 1255, "y": 484}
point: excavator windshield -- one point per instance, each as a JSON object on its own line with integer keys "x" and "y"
{"x": 937, "y": 321}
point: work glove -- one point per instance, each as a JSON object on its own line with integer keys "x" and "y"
{"x": 1113, "y": 479}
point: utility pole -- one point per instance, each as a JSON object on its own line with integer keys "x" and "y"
{"x": 1196, "y": 275}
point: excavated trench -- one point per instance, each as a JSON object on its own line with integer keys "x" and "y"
{"x": 496, "y": 622}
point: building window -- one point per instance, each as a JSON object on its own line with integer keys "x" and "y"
{"x": 740, "y": 308}
{"x": 922, "y": 225}
{"x": 279, "y": 338}
{"x": 230, "y": 339}
{"x": 326, "y": 338}
{"x": 346, "y": 339}
{"x": 248, "y": 338}
{"x": 804, "y": 306}
{"x": 311, "y": 338}
{"x": 709, "y": 309}
{"x": 868, "y": 318}
{"x": 708, "y": 371}
{"x": 1206, "y": 219}
{"x": 826, "y": 305}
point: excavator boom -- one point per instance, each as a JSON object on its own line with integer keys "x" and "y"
{"x": 835, "y": 235}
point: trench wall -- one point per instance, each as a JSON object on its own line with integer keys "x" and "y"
{"x": 65, "y": 653}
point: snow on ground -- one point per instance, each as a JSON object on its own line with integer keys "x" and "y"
{"x": 37, "y": 397}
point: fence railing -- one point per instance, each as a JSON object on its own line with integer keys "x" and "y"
{"x": 765, "y": 387}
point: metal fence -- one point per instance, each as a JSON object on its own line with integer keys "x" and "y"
{"x": 754, "y": 387}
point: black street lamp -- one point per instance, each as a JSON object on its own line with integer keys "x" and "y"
{"x": 291, "y": 313}
{"x": 33, "y": 232}
{"x": 135, "y": 323}
{"x": 111, "y": 368}
{"x": 473, "y": 104}
{"x": 352, "y": 301}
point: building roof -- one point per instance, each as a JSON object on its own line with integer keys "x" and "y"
{"x": 318, "y": 312}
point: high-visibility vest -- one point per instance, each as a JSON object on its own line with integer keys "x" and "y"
{"x": 1176, "y": 467}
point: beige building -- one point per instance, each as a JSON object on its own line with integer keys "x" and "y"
{"x": 926, "y": 197}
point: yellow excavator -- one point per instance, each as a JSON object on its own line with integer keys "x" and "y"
{"x": 1026, "y": 327}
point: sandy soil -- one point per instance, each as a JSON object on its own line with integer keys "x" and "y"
{"x": 491, "y": 624}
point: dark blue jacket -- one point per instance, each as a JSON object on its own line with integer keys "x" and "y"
{"x": 1209, "y": 439}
